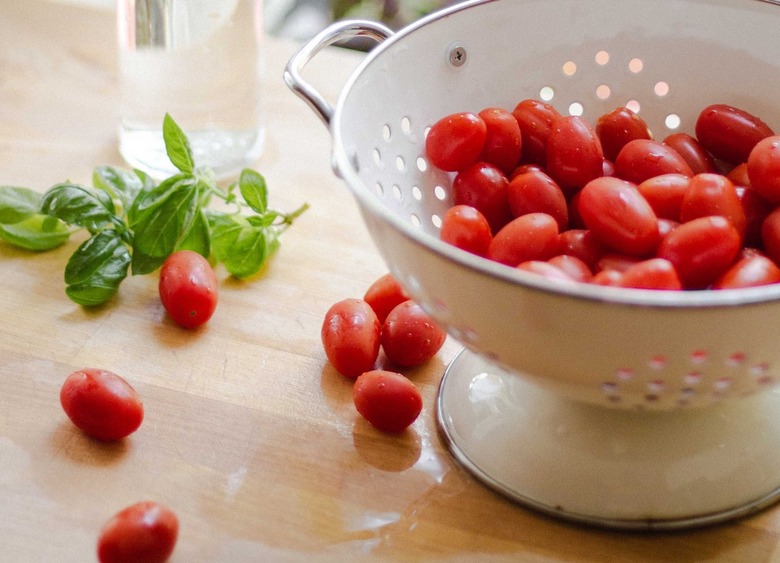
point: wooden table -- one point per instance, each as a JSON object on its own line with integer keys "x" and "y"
{"x": 249, "y": 434}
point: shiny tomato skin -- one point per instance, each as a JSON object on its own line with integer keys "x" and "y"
{"x": 535, "y": 119}
{"x": 523, "y": 168}
{"x": 739, "y": 175}
{"x": 503, "y": 144}
{"x": 750, "y": 271}
{"x": 763, "y": 168}
{"x": 574, "y": 154}
{"x": 665, "y": 194}
{"x": 617, "y": 127}
{"x": 387, "y": 400}
{"x": 143, "y": 532}
{"x": 572, "y": 266}
{"x": 713, "y": 194}
{"x": 546, "y": 270}
{"x": 536, "y": 192}
{"x": 466, "y": 228}
{"x": 384, "y": 294}
{"x": 101, "y": 404}
{"x": 653, "y": 273}
{"x": 455, "y": 141}
{"x": 770, "y": 235}
{"x": 729, "y": 133}
{"x": 619, "y": 217}
{"x": 351, "y": 336}
{"x": 697, "y": 157}
{"x": 756, "y": 208}
{"x": 530, "y": 237}
{"x": 582, "y": 244}
{"x": 701, "y": 250}
{"x": 410, "y": 337}
{"x": 641, "y": 159}
{"x": 188, "y": 288}
{"x": 617, "y": 262}
{"x": 611, "y": 278}
{"x": 484, "y": 187}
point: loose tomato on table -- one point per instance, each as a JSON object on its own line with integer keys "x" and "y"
{"x": 188, "y": 288}
{"x": 351, "y": 336}
{"x": 101, "y": 404}
{"x": 409, "y": 336}
{"x": 387, "y": 400}
{"x": 384, "y": 294}
{"x": 455, "y": 141}
{"x": 143, "y": 532}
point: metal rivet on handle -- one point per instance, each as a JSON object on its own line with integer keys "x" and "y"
{"x": 457, "y": 55}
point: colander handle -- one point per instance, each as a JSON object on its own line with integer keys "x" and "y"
{"x": 339, "y": 31}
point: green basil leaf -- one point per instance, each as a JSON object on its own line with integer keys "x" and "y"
{"x": 163, "y": 226}
{"x": 37, "y": 232}
{"x": 79, "y": 205}
{"x": 198, "y": 239}
{"x": 96, "y": 269}
{"x": 17, "y": 204}
{"x": 177, "y": 146}
{"x": 148, "y": 200}
{"x": 241, "y": 247}
{"x": 118, "y": 183}
{"x": 254, "y": 190}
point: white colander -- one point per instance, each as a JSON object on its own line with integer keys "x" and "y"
{"x": 578, "y": 400}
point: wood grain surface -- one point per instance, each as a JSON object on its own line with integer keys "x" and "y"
{"x": 249, "y": 435}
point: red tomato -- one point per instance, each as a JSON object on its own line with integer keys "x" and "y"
{"x": 756, "y": 209}
{"x": 655, "y": 273}
{"x": 101, "y": 403}
{"x": 387, "y": 400}
{"x": 466, "y": 228}
{"x": 665, "y": 194}
{"x": 484, "y": 187}
{"x": 619, "y": 217}
{"x": 504, "y": 142}
{"x": 582, "y": 244}
{"x": 692, "y": 152}
{"x": 607, "y": 277}
{"x": 730, "y": 133}
{"x": 713, "y": 194}
{"x": 617, "y": 262}
{"x": 530, "y": 237}
{"x": 188, "y": 288}
{"x": 701, "y": 250}
{"x": 574, "y": 155}
{"x": 573, "y": 266}
{"x": 456, "y": 141}
{"x": 146, "y": 531}
{"x": 749, "y": 272}
{"x": 350, "y": 336}
{"x": 546, "y": 270}
{"x": 770, "y": 235}
{"x": 383, "y": 295}
{"x": 642, "y": 159}
{"x": 763, "y": 167}
{"x": 666, "y": 226}
{"x": 616, "y": 128}
{"x": 410, "y": 337}
{"x": 535, "y": 119}
{"x": 739, "y": 175}
{"x": 523, "y": 168}
{"x": 536, "y": 192}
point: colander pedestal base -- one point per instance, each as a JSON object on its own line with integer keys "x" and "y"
{"x": 610, "y": 467}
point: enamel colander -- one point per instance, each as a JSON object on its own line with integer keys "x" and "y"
{"x": 616, "y": 407}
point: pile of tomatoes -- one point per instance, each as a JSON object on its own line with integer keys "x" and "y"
{"x": 608, "y": 204}
{"x": 355, "y": 330}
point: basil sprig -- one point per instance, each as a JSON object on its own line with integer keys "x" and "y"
{"x": 133, "y": 224}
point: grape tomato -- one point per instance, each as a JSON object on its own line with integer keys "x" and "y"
{"x": 692, "y": 152}
{"x": 535, "y": 119}
{"x": 574, "y": 154}
{"x": 641, "y": 159}
{"x": 466, "y": 228}
{"x": 529, "y": 237}
{"x": 729, "y": 133}
{"x": 143, "y": 532}
{"x": 101, "y": 404}
{"x": 384, "y": 294}
{"x": 351, "y": 336}
{"x": 617, "y": 128}
{"x": 188, "y": 288}
{"x": 503, "y": 143}
{"x": 456, "y": 141}
{"x": 484, "y": 187}
{"x": 387, "y": 400}
{"x": 409, "y": 336}
{"x": 536, "y": 192}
